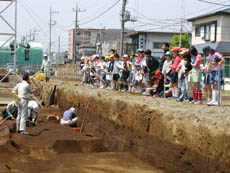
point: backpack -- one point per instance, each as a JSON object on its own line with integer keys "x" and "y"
{"x": 152, "y": 64}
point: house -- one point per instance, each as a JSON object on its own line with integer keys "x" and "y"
{"x": 95, "y": 41}
{"x": 151, "y": 40}
{"x": 213, "y": 29}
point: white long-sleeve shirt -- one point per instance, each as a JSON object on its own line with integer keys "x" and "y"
{"x": 46, "y": 64}
{"x": 166, "y": 69}
{"x": 117, "y": 66}
{"x": 23, "y": 90}
{"x": 11, "y": 107}
{"x": 33, "y": 105}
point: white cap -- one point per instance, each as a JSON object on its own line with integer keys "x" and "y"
{"x": 73, "y": 110}
{"x": 45, "y": 55}
{"x": 126, "y": 56}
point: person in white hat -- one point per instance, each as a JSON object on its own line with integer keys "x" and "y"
{"x": 33, "y": 109}
{"x": 69, "y": 117}
{"x": 46, "y": 67}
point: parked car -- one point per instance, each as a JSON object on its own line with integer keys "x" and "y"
{"x": 28, "y": 69}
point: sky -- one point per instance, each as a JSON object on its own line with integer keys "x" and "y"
{"x": 148, "y": 14}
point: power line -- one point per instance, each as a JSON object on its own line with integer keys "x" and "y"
{"x": 101, "y": 14}
{"x": 214, "y": 3}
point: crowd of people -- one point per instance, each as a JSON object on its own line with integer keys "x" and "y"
{"x": 180, "y": 74}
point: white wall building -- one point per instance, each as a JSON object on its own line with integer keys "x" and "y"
{"x": 150, "y": 40}
{"x": 213, "y": 29}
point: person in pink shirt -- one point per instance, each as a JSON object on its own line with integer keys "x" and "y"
{"x": 212, "y": 60}
{"x": 196, "y": 75}
{"x": 174, "y": 74}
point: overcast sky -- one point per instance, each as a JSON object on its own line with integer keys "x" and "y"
{"x": 150, "y": 15}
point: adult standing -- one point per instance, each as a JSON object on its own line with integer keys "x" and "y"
{"x": 151, "y": 65}
{"x": 165, "y": 48}
{"x": 46, "y": 67}
{"x": 23, "y": 92}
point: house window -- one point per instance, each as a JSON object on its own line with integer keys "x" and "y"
{"x": 197, "y": 31}
{"x": 157, "y": 45}
{"x": 207, "y": 32}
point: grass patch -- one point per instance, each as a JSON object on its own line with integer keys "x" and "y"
{"x": 211, "y": 112}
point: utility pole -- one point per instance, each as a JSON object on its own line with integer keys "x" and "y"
{"x": 123, "y": 26}
{"x": 181, "y": 30}
{"x": 51, "y": 23}
{"x": 59, "y": 50}
{"x": 76, "y": 10}
{"x": 182, "y": 24}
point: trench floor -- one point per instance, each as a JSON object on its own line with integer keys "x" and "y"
{"x": 54, "y": 148}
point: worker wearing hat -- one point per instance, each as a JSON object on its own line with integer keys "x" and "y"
{"x": 46, "y": 67}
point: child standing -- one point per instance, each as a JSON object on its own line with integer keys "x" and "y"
{"x": 174, "y": 74}
{"x": 196, "y": 75}
{"x": 125, "y": 73}
{"x": 116, "y": 70}
{"x": 166, "y": 70}
{"x": 181, "y": 77}
{"x": 213, "y": 59}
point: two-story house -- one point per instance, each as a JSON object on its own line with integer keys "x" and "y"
{"x": 151, "y": 40}
{"x": 213, "y": 29}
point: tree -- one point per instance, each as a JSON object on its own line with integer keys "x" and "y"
{"x": 185, "y": 41}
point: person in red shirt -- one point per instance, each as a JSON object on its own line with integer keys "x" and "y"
{"x": 174, "y": 74}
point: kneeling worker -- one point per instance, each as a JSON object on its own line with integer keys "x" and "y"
{"x": 32, "y": 109}
{"x": 11, "y": 110}
{"x": 69, "y": 117}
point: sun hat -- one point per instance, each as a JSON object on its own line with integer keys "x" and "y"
{"x": 176, "y": 49}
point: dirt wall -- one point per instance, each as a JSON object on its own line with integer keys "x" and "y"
{"x": 167, "y": 139}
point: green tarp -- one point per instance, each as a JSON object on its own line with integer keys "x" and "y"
{"x": 35, "y": 55}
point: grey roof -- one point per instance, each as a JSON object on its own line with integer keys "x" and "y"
{"x": 112, "y": 35}
{"x": 221, "y": 47}
{"x": 220, "y": 12}
{"x": 149, "y": 32}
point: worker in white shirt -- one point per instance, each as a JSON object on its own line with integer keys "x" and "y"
{"x": 11, "y": 110}
{"x": 23, "y": 92}
{"x": 32, "y": 109}
{"x": 46, "y": 67}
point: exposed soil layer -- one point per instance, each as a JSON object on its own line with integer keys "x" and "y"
{"x": 175, "y": 137}
{"x": 51, "y": 147}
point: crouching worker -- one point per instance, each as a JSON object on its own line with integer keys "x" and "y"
{"x": 11, "y": 110}
{"x": 69, "y": 117}
{"x": 33, "y": 111}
